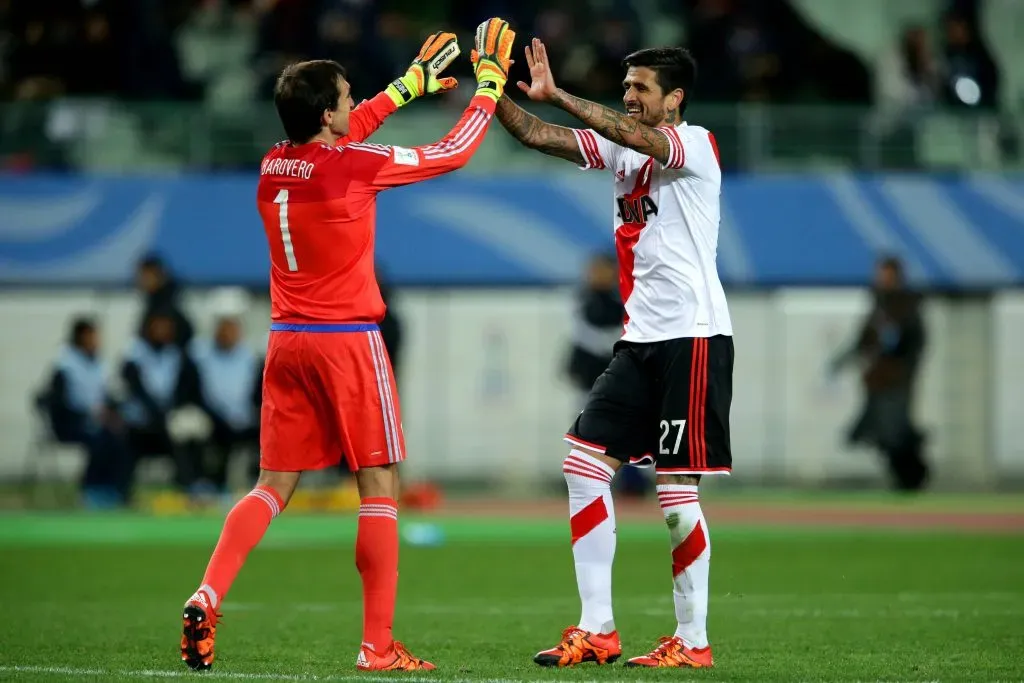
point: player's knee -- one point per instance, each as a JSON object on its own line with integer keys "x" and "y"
{"x": 590, "y": 464}
{"x": 377, "y": 482}
{"x": 678, "y": 479}
{"x": 283, "y": 483}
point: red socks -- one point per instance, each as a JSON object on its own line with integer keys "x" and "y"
{"x": 243, "y": 529}
{"x": 376, "y": 556}
{"x": 377, "y": 562}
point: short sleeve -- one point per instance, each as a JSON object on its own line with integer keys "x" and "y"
{"x": 598, "y": 152}
{"x": 693, "y": 150}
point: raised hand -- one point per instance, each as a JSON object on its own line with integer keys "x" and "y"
{"x": 439, "y": 50}
{"x": 542, "y": 81}
{"x": 492, "y": 57}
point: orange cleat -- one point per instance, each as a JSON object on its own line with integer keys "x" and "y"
{"x": 580, "y": 646}
{"x": 199, "y": 627}
{"x": 673, "y": 652}
{"x": 396, "y": 658}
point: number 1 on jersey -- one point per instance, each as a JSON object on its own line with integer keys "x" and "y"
{"x": 286, "y": 235}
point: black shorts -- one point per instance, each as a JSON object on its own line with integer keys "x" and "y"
{"x": 664, "y": 403}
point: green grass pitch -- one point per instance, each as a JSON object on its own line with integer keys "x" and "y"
{"x": 97, "y": 598}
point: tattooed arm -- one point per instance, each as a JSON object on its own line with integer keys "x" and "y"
{"x": 608, "y": 123}
{"x": 616, "y": 126}
{"x": 557, "y": 141}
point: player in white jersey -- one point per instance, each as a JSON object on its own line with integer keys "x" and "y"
{"x": 664, "y": 399}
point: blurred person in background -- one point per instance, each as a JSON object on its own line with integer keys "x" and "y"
{"x": 888, "y": 349}
{"x": 616, "y": 29}
{"x": 908, "y": 76}
{"x": 63, "y": 57}
{"x": 287, "y": 32}
{"x": 147, "y": 58}
{"x": 972, "y": 77}
{"x": 160, "y": 292}
{"x": 596, "y": 326}
{"x": 230, "y": 383}
{"x": 81, "y": 411}
{"x": 766, "y": 51}
{"x": 908, "y": 84}
{"x": 159, "y": 378}
{"x": 391, "y": 325}
{"x": 737, "y": 49}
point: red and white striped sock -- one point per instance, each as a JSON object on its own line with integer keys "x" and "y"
{"x": 691, "y": 560}
{"x": 592, "y": 521}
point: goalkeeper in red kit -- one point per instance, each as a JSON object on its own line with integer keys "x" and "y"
{"x": 328, "y": 389}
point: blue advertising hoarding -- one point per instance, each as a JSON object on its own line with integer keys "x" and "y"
{"x": 805, "y": 229}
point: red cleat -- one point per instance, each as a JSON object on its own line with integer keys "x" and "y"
{"x": 199, "y": 627}
{"x": 673, "y": 652}
{"x": 580, "y": 646}
{"x": 396, "y": 658}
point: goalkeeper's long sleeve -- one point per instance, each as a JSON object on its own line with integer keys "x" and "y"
{"x": 386, "y": 166}
{"x": 365, "y": 119}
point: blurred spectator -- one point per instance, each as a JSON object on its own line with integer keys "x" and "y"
{"x": 395, "y": 40}
{"x": 907, "y": 85}
{"x": 972, "y": 78}
{"x": 616, "y": 33}
{"x": 734, "y": 52}
{"x": 764, "y": 50}
{"x": 889, "y": 349}
{"x": 596, "y": 326}
{"x": 98, "y": 47}
{"x": 287, "y": 33}
{"x": 159, "y": 379}
{"x": 148, "y": 58}
{"x": 908, "y": 76}
{"x": 391, "y": 325}
{"x": 161, "y": 291}
{"x": 230, "y": 392}
{"x": 81, "y": 411}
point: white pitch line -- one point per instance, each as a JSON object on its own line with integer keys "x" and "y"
{"x": 738, "y": 608}
{"x": 238, "y": 676}
{"x": 184, "y": 673}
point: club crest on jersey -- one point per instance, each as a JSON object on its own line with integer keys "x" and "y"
{"x": 636, "y": 209}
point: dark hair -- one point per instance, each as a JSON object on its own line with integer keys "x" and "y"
{"x": 891, "y": 262}
{"x": 303, "y": 92}
{"x": 160, "y": 313}
{"x": 674, "y": 67}
{"x": 81, "y": 327}
{"x": 151, "y": 262}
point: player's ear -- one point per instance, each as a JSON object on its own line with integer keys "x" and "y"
{"x": 677, "y": 99}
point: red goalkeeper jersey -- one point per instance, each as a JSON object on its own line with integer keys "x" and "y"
{"x": 318, "y": 204}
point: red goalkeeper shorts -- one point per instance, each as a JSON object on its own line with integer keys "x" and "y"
{"x": 328, "y": 393}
